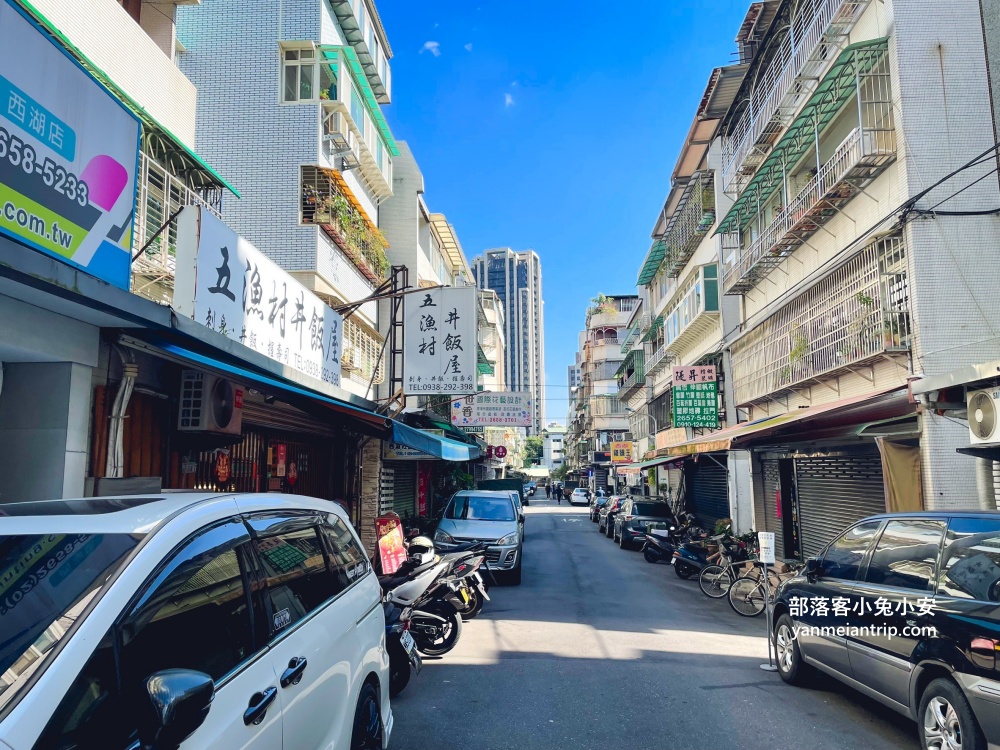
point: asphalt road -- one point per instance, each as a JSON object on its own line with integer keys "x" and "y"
{"x": 599, "y": 649}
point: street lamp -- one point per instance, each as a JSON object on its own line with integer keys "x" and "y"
{"x": 656, "y": 427}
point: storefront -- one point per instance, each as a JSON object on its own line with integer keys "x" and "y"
{"x": 706, "y": 488}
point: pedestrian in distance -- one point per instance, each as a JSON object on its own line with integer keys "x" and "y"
{"x": 548, "y": 491}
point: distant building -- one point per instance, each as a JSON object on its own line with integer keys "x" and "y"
{"x": 552, "y": 446}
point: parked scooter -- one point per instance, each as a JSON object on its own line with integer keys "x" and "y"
{"x": 464, "y": 587}
{"x": 404, "y": 659}
{"x": 691, "y": 557}
{"x": 661, "y": 544}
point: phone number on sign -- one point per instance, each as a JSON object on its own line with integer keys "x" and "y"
{"x": 21, "y": 154}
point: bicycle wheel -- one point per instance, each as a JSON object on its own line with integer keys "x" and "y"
{"x": 715, "y": 581}
{"x": 746, "y": 596}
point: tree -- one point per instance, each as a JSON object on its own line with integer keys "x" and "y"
{"x": 560, "y": 474}
{"x": 532, "y": 451}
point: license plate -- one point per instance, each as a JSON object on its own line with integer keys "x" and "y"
{"x": 408, "y": 643}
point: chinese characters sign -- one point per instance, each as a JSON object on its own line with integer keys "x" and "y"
{"x": 621, "y": 453}
{"x": 439, "y": 350}
{"x": 507, "y": 409}
{"x": 228, "y": 285}
{"x": 68, "y": 154}
{"x": 392, "y": 552}
{"x": 695, "y": 401}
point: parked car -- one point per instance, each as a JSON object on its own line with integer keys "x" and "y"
{"x": 934, "y": 578}
{"x": 532, "y": 487}
{"x": 481, "y": 515}
{"x": 596, "y": 503}
{"x": 516, "y": 499}
{"x": 606, "y": 516}
{"x": 579, "y": 496}
{"x": 631, "y": 520}
{"x": 135, "y": 625}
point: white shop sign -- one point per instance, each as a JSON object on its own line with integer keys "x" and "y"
{"x": 766, "y": 540}
{"x": 499, "y": 409}
{"x": 439, "y": 348}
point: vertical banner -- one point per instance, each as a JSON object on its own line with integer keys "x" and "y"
{"x": 439, "y": 348}
{"x": 423, "y": 487}
{"x": 392, "y": 552}
{"x": 695, "y": 400}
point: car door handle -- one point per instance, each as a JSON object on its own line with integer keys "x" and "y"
{"x": 292, "y": 675}
{"x": 259, "y": 703}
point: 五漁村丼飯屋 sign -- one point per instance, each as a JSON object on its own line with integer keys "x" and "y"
{"x": 439, "y": 347}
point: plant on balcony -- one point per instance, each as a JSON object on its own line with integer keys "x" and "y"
{"x": 603, "y": 305}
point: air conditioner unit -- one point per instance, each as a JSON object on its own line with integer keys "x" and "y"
{"x": 209, "y": 404}
{"x": 984, "y": 416}
{"x": 338, "y": 133}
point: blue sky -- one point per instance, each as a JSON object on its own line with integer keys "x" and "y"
{"x": 554, "y": 126}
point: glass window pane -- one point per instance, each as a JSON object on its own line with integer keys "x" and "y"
{"x": 306, "y": 77}
{"x": 306, "y": 54}
{"x": 971, "y": 562}
{"x": 291, "y": 54}
{"x": 348, "y": 560}
{"x": 291, "y": 82}
{"x": 844, "y": 556}
{"x": 298, "y": 579}
{"x": 906, "y": 554}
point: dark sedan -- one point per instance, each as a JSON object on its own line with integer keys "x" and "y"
{"x": 606, "y": 517}
{"x": 633, "y": 517}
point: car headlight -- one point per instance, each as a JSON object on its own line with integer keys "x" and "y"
{"x": 512, "y": 538}
{"x": 443, "y": 536}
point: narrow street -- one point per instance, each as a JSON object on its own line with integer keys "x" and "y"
{"x": 598, "y": 648}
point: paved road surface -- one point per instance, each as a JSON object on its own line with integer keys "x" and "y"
{"x": 599, "y": 649}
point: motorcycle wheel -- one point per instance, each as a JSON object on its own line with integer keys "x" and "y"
{"x": 452, "y": 630}
{"x": 683, "y": 571}
{"x": 475, "y": 605}
{"x": 649, "y": 556}
{"x": 399, "y": 672}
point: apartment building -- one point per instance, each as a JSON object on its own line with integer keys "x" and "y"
{"x": 291, "y": 105}
{"x": 516, "y": 277}
{"x": 553, "y": 437}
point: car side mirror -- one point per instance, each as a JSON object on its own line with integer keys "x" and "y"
{"x": 179, "y": 703}
{"x": 814, "y": 567}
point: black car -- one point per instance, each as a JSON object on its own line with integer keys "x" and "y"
{"x": 905, "y": 607}
{"x": 596, "y": 503}
{"x": 630, "y": 522}
{"x": 606, "y": 515}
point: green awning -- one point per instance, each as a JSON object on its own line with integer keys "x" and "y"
{"x": 833, "y": 92}
{"x": 329, "y": 52}
{"x": 655, "y": 326}
{"x": 633, "y": 359}
{"x": 653, "y": 260}
{"x": 483, "y": 365}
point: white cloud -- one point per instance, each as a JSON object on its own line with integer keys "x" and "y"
{"x": 508, "y": 100}
{"x": 468, "y": 47}
{"x": 433, "y": 47}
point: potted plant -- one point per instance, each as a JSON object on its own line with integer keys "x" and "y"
{"x": 324, "y": 212}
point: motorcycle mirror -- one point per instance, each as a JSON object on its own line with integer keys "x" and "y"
{"x": 673, "y": 528}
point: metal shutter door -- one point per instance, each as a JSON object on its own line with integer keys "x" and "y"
{"x": 404, "y": 491}
{"x": 772, "y": 480}
{"x": 708, "y": 491}
{"x": 833, "y": 493}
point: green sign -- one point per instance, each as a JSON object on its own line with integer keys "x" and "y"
{"x": 695, "y": 405}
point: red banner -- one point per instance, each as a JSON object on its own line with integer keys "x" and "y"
{"x": 423, "y": 486}
{"x": 392, "y": 553}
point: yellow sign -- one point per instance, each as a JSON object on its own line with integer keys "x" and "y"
{"x": 621, "y": 453}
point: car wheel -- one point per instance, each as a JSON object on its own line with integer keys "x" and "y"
{"x": 367, "y": 734}
{"x": 622, "y": 544}
{"x": 399, "y": 672}
{"x": 791, "y": 668}
{"x": 609, "y": 531}
{"x": 946, "y": 719}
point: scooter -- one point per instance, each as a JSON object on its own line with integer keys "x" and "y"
{"x": 404, "y": 659}
{"x": 435, "y": 624}
{"x": 691, "y": 557}
{"x": 659, "y": 545}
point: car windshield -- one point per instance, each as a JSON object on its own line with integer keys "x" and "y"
{"x": 480, "y": 508}
{"x": 653, "y": 510}
{"x": 46, "y": 582}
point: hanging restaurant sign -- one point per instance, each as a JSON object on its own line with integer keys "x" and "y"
{"x": 68, "y": 155}
{"x": 439, "y": 347}
{"x": 695, "y": 399}
{"x": 228, "y": 285}
{"x": 504, "y": 409}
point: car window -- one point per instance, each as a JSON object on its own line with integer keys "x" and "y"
{"x": 906, "y": 554}
{"x": 47, "y": 582}
{"x": 348, "y": 561}
{"x": 194, "y": 614}
{"x": 844, "y": 556}
{"x": 480, "y": 508}
{"x": 298, "y": 573}
{"x": 652, "y": 510}
{"x": 970, "y": 567}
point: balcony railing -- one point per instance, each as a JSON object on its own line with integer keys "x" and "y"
{"x": 658, "y": 359}
{"x": 362, "y": 354}
{"x": 819, "y": 29}
{"x": 695, "y": 315}
{"x": 632, "y": 374}
{"x": 160, "y": 196}
{"x": 861, "y": 157}
{"x": 328, "y": 203}
{"x": 858, "y": 313}
{"x": 690, "y": 223}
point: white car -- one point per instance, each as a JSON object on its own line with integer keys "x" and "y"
{"x": 191, "y": 621}
{"x": 579, "y": 495}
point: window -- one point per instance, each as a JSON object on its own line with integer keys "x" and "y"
{"x": 358, "y": 112}
{"x": 906, "y": 554}
{"x": 298, "y": 577}
{"x": 299, "y": 75}
{"x": 970, "y": 568}
{"x": 844, "y": 556}
{"x": 480, "y": 508}
{"x": 349, "y": 562}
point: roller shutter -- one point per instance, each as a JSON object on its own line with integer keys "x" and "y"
{"x": 708, "y": 489}
{"x": 769, "y": 506}
{"x": 833, "y": 493}
{"x": 404, "y": 489}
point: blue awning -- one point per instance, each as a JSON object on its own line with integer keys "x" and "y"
{"x": 434, "y": 445}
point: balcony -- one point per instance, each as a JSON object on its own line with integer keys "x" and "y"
{"x": 631, "y": 374}
{"x": 658, "y": 359}
{"x": 695, "y": 315}
{"x": 354, "y": 34}
{"x": 160, "y": 196}
{"x": 610, "y": 311}
{"x": 858, "y": 314}
{"x": 690, "y": 222}
{"x": 361, "y": 359}
{"x": 815, "y": 35}
{"x": 328, "y": 203}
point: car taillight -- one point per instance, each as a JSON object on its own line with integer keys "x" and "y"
{"x": 629, "y": 518}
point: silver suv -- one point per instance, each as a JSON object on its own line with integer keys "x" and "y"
{"x": 489, "y": 516}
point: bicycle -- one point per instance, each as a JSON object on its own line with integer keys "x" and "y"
{"x": 747, "y": 594}
{"x": 716, "y": 580}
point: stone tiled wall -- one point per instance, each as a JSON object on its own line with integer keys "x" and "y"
{"x": 371, "y": 469}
